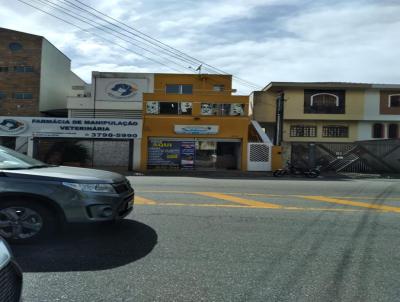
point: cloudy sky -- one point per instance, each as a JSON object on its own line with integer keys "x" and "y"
{"x": 256, "y": 40}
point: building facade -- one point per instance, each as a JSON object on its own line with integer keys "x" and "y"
{"x": 329, "y": 115}
{"x": 35, "y": 80}
{"x": 193, "y": 122}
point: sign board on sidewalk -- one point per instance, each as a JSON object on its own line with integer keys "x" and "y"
{"x": 70, "y": 127}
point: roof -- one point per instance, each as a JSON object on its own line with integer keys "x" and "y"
{"x": 330, "y": 85}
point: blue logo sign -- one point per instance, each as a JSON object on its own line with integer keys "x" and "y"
{"x": 121, "y": 90}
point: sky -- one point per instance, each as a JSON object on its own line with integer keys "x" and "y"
{"x": 256, "y": 40}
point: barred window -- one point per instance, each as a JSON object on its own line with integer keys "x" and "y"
{"x": 335, "y": 131}
{"x": 303, "y": 131}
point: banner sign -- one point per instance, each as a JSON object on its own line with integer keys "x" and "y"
{"x": 196, "y": 129}
{"x": 70, "y": 127}
{"x": 164, "y": 153}
{"x": 188, "y": 153}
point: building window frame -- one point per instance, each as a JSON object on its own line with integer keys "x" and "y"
{"x": 303, "y": 131}
{"x": 3, "y": 95}
{"x": 394, "y": 103}
{"x": 22, "y": 69}
{"x": 225, "y": 109}
{"x": 23, "y": 95}
{"x": 156, "y": 108}
{"x": 4, "y": 69}
{"x": 181, "y": 89}
{"x": 378, "y": 130}
{"x": 219, "y": 88}
{"x": 323, "y": 94}
{"x": 335, "y": 131}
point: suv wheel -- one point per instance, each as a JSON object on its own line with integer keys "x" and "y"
{"x": 25, "y": 220}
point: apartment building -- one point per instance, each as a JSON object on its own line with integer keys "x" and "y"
{"x": 330, "y": 116}
{"x": 35, "y": 80}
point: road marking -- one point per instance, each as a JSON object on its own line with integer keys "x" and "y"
{"x": 240, "y": 200}
{"x": 142, "y": 200}
{"x": 208, "y": 205}
{"x": 352, "y": 203}
{"x": 272, "y": 195}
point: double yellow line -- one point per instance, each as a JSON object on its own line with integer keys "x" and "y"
{"x": 240, "y": 202}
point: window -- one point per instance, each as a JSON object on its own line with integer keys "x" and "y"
{"x": 179, "y": 89}
{"x": 393, "y": 131}
{"x": 394, "y": 100}
{"x": 219, "y": 88}
{"x": 222, "y": 109}
{"x": 184, "y": 108}
{"x": 78, "y": 87}
{"x": 378, "y": 131}
{"x": 168, "y": 108}
{"x": 23, "y": 68}
{"x": 324, "y": 101}
{"x": 335, "y": 131}
{"x": 209, "y": 109}
{"x": 303, "y": 131}
{"x": 3, "y": 69}
{"x": 2, "y": 95}
{"x": 15, "y": 46}
{"x": 23, "y": 96}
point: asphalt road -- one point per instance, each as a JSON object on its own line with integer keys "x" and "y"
{"x": 201, "y": 239}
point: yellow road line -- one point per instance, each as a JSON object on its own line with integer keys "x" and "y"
{"x": 240, "y": 200}
{"x": 352, "y": 203}
{"x": 142, "y": 200}
{"x": 250, "y": 207}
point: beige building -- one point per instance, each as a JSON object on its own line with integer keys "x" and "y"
{"x": 328, "y": 113}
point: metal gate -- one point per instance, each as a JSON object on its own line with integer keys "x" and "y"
{"x": 363, "y": 156}
{"x": 259, "y": 157}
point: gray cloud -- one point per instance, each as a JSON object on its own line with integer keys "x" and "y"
{"x": 259, "y": 40}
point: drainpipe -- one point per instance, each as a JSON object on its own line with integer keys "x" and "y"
{"x": 279, "y": 118}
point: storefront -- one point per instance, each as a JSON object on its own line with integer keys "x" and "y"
{"x": 194, "y": 153}
{"x": 105, "y": 143}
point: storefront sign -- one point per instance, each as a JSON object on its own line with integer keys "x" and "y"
{"x": 72, "y": 128}
{"x": 164, "y": 153}
{"x": 196, "y": 129}
{"x": 122, "y": 89}
{"x": 188, "y": 152}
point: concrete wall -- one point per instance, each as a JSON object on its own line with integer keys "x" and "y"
{"x": 55, "y": 78}
{"x": 264, "y": 107}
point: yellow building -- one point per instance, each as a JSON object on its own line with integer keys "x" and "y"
{"x": 193, "y": 121}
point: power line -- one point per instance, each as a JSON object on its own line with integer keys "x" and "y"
{"x": 110, "y": 41}
{"x": 96, "y": 24}
{"x": 155, "y": 41}
{"x": 118, "y": 34}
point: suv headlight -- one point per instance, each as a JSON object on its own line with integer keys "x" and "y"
{"x": 96, "y": 188}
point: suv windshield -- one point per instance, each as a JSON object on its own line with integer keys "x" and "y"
{"x": 11, "y": 160}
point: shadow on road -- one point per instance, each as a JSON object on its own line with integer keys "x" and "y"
{"x": 88, "y": 248}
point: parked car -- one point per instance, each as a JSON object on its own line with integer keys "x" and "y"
{"x": 36, "y": 197}
{"x": 10, "y": 275}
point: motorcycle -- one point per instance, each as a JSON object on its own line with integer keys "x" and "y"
{"x": 295, "y": 171}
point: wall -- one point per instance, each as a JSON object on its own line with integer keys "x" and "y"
{"x": 375, "y": 100}
{"x": 55, "y": 80}
{"x": 294, "y": 106}
{"x": 264, "y": 106}
{"x": 11, "y": 82}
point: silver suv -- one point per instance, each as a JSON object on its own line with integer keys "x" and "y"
{"x": 36, "y": 197}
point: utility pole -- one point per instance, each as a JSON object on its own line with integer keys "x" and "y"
{"x": 279, "y": 118}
